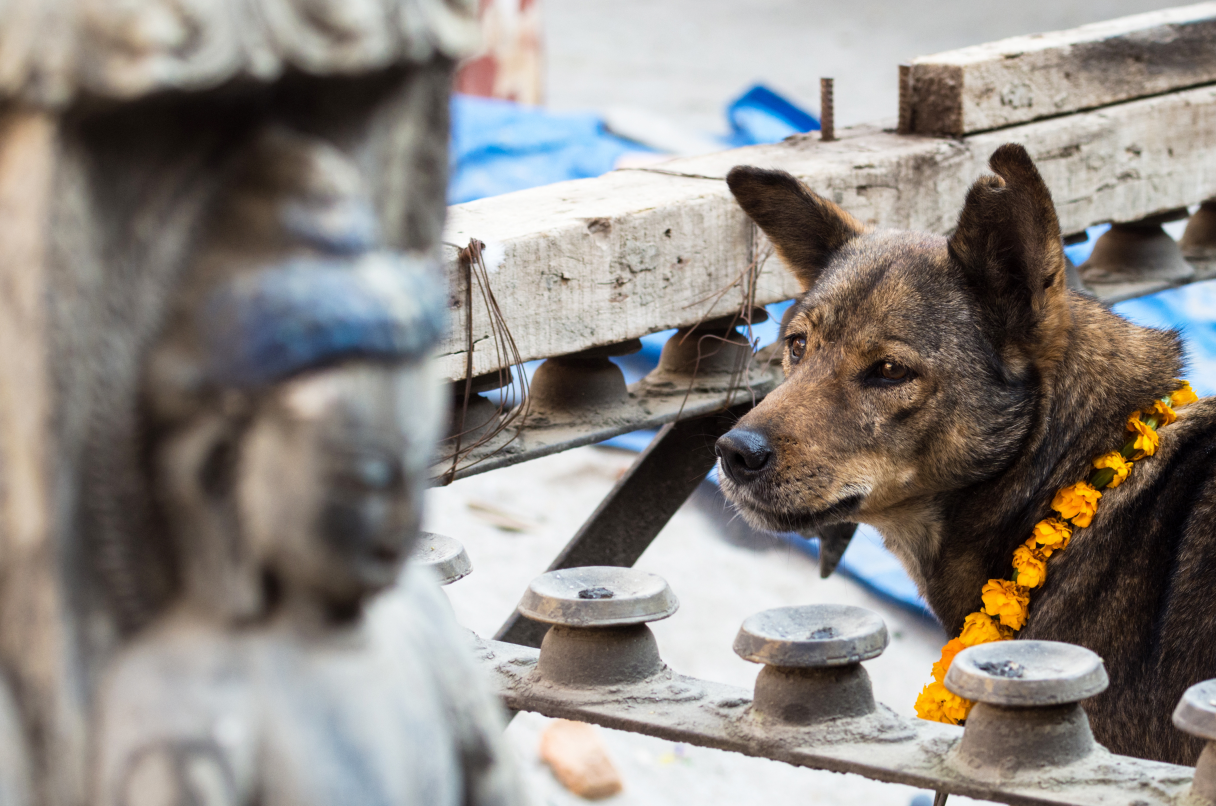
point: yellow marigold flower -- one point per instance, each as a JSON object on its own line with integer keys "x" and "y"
{"x": 952, "y": 648}
{"x": 1006, "y": 600}
{"x": 980, "y": 628}
{"x": 937, "y": 704}
{"x": 1183, "y": 396}
{"x": 1051, "y": 534}
{"x": 1031, "y": 567}
{"x": 954, "y": 707}
{"x": 1164, "y": 414}
{"x": 927, "y": 706}
{"x": 1146, "y": 438}
{"x": 1115, "y": 461}
{"x": 1078, "y": 502}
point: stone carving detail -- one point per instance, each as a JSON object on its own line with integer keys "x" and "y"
{"x": 14, "y": 766}
{"x": 293, "y": 410}
{"x": 53, "y": 50}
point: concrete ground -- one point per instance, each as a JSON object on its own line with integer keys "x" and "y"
{"x": 513, "y": 521}
{"x": 687, "y": 58}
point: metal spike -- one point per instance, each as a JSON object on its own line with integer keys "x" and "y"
{"x": 939, "y": 798}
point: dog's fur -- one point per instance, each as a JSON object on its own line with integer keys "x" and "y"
{"x": 1016, "y": 384}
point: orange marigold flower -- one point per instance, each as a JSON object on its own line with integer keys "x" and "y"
{"x": 1164, "y": 414}
{"x": 1051, "y": 535}
{"x": 1115, "y": 461}
{"x": 1008, "y": 601}
{"x": 1031, "y": 566}
{"x": 952, "y": 648}
{"x": 981, "y": 628}
{"x": 927, "y": 706}
{"x": 938, "y": 704}
{"x": 1146, "y": 438}
{"x": 1183, "y": 396}
{"x": 1078, "y": 502}
{"x": 954, "y": 707}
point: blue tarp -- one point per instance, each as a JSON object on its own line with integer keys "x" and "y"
{"x": 499, "y": 146}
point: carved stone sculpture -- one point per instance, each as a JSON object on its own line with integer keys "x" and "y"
{"x": 294, "y": 412}
{"x": 165, "y": 164}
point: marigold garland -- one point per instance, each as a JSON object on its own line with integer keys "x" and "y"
{"x": 1006, "y": 602}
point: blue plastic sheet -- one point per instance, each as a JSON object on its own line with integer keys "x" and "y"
{"x": 762, "y": 116}
{"x": 499, "y": 146}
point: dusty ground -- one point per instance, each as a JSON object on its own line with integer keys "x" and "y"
{"x": 719, "y": 584}
{"x": 686, "y": 58}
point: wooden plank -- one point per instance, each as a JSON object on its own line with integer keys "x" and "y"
{"x": 1027, "y": 78}
{"x": 598, "y": 261}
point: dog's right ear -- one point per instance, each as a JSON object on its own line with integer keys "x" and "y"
{"x": 805, "y": 228}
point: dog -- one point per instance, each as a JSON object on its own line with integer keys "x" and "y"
{"x": 942, "y": 389}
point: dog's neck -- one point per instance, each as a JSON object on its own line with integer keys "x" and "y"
{"x": 1106, "y": 369}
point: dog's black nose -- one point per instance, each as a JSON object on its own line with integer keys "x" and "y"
{"x": 745, "y": 453}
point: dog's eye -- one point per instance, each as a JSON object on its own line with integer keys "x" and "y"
{"x": 797, "y": 348}
{"x": 890, "y": 372}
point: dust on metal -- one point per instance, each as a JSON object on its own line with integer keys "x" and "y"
{"x": 875, "y": 742}
{"x": 444, "y": 555}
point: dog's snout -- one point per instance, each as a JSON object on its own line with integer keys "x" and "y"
{"x": 745, "y": 453}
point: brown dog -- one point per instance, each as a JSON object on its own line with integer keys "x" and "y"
{"x": 942, "y": 389}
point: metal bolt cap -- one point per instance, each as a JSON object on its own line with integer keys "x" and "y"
{"x": 444, "y": 555}
{"x": 1196, "y": 711}
{"x": 1027, "y": 673}
{"x": 598, "y": 596}
{"x": 811, "y": 636}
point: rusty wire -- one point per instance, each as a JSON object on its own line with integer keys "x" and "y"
{"x": 507, "y": 355}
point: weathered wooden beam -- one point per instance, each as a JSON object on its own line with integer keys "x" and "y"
{"x": 598, "y": 261}
{"x": 1027, "y": 78}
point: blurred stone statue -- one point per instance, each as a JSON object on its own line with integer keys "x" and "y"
{"x": 14, "y": 766}
{"x": 215, "y": 405}
{"x": 294, "y": 412}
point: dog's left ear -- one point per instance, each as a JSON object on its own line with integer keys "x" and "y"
{"x": 1008, "y": 244}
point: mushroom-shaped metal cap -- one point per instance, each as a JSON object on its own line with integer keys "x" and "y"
{"x": 811, "y": 636}
{"x": 1026, "y": 673}
{"x": 445, "y": 555}
{"x": 598, "y": 596}
{"x": 1196, "y": 711}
